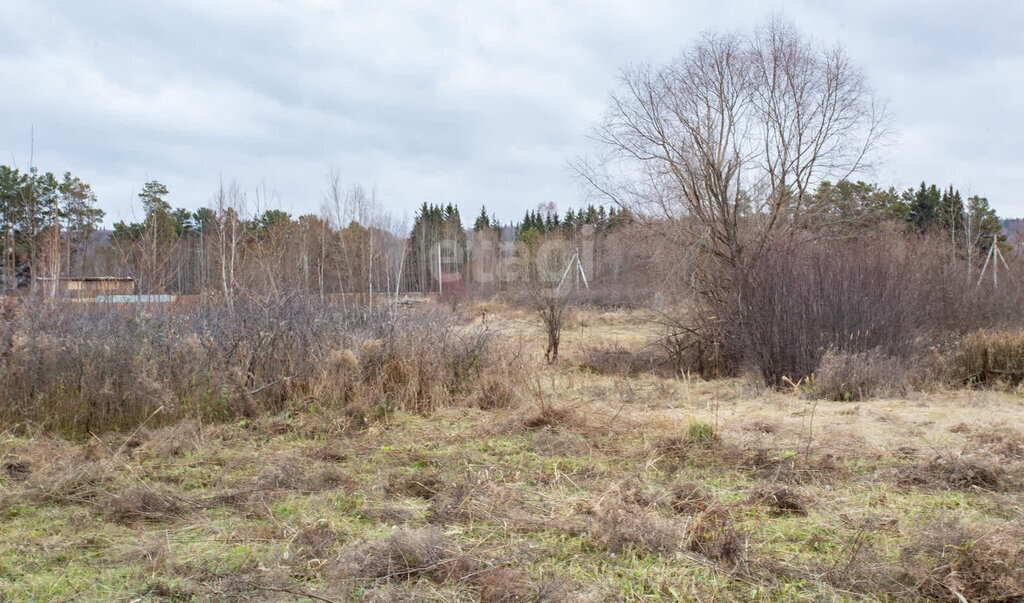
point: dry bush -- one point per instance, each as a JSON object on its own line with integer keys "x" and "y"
{"x": 889, "y": 295}
{"x": 692, "y": 345}
{"x": 554, "y": 309}
{"x": 851, "y": 376}
{"x": 99, "y": 368}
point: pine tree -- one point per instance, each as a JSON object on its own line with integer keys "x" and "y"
{"x": 925, "y": 207}
{"x": 483, "y": 221}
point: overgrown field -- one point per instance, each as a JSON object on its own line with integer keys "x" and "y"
{"x": 599, "y": 478}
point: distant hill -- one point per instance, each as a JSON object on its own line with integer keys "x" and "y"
{"x": 1013, "y": 228}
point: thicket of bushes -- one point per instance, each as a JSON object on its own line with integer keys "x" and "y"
{"x": 91, "y": 370}
{"x": 864, "y": 316}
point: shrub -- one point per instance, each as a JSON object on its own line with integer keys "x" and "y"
{"x": 892, "y": 296}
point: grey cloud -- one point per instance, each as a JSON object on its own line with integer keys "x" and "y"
{"x": 472, "y": 102}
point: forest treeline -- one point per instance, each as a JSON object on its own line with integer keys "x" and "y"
{"x": 353, "y": 246}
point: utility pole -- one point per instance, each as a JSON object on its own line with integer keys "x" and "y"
{"x": 578, "y": 273}
{"x": 995, "y": 256}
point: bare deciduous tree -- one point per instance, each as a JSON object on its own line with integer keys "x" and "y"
{"x": 732, "y": 136}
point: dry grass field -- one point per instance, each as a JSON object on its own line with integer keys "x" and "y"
{"x": 599, "y": 485}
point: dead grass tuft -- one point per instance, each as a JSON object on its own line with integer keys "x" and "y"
{"x": 504, "y": 585}
{"x": 951, "y": 559}
{"x": 763, "y": 427}
{"x": 285, "y": 474}
{"x": 390, "y": 514}
{"x": 988, "y": 355}
{"x": 173, "y": 440}
{"x": 689, "y": 499}
{"x": 331, "y": 452}
{"x": 553, "y": 443}
{"x": 956, "y": 470}
{"x": 70, "y": 482}
{"x": 1001, "y": 441}
{"x": 144, "y": 504}
{"x": 781, "y": 500}
{"x": 472, "y": 500}
{"x": 414, "y": 553}
{"x": 550, "y": 417}
{"x": 616, "y": 360}
{"x": 315, "y": 543}
{"x": 424, "y": 486}
{"x": 847, "y": 377}
{"x": 288, "y": 473}
{"x": 712, "y": 534}
{"x": 618, "y": 526}
{"x": 17, "y": 470}
{"x": 153, "y": 554}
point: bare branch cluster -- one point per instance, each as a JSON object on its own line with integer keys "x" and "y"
{"x": 732, "y": 136}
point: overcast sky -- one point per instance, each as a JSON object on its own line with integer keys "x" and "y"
{"x": 451, "y": 101}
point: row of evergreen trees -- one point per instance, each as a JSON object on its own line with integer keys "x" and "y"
{"x": 437, "y": 236}
{"x": 853, "y": 205}
{"x": 48, "y": 223}
{"x": 549, "y": 221}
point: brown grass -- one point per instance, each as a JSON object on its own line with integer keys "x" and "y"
{"x": 989, "y": 355}
{"x": 949, "y": 559}
{"x": 853, "y": 376}
{"x": 98, "y": 369}
{"x": 412, "y": 553}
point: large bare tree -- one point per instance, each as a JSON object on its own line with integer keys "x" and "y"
{"x": 731, "y": 137}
